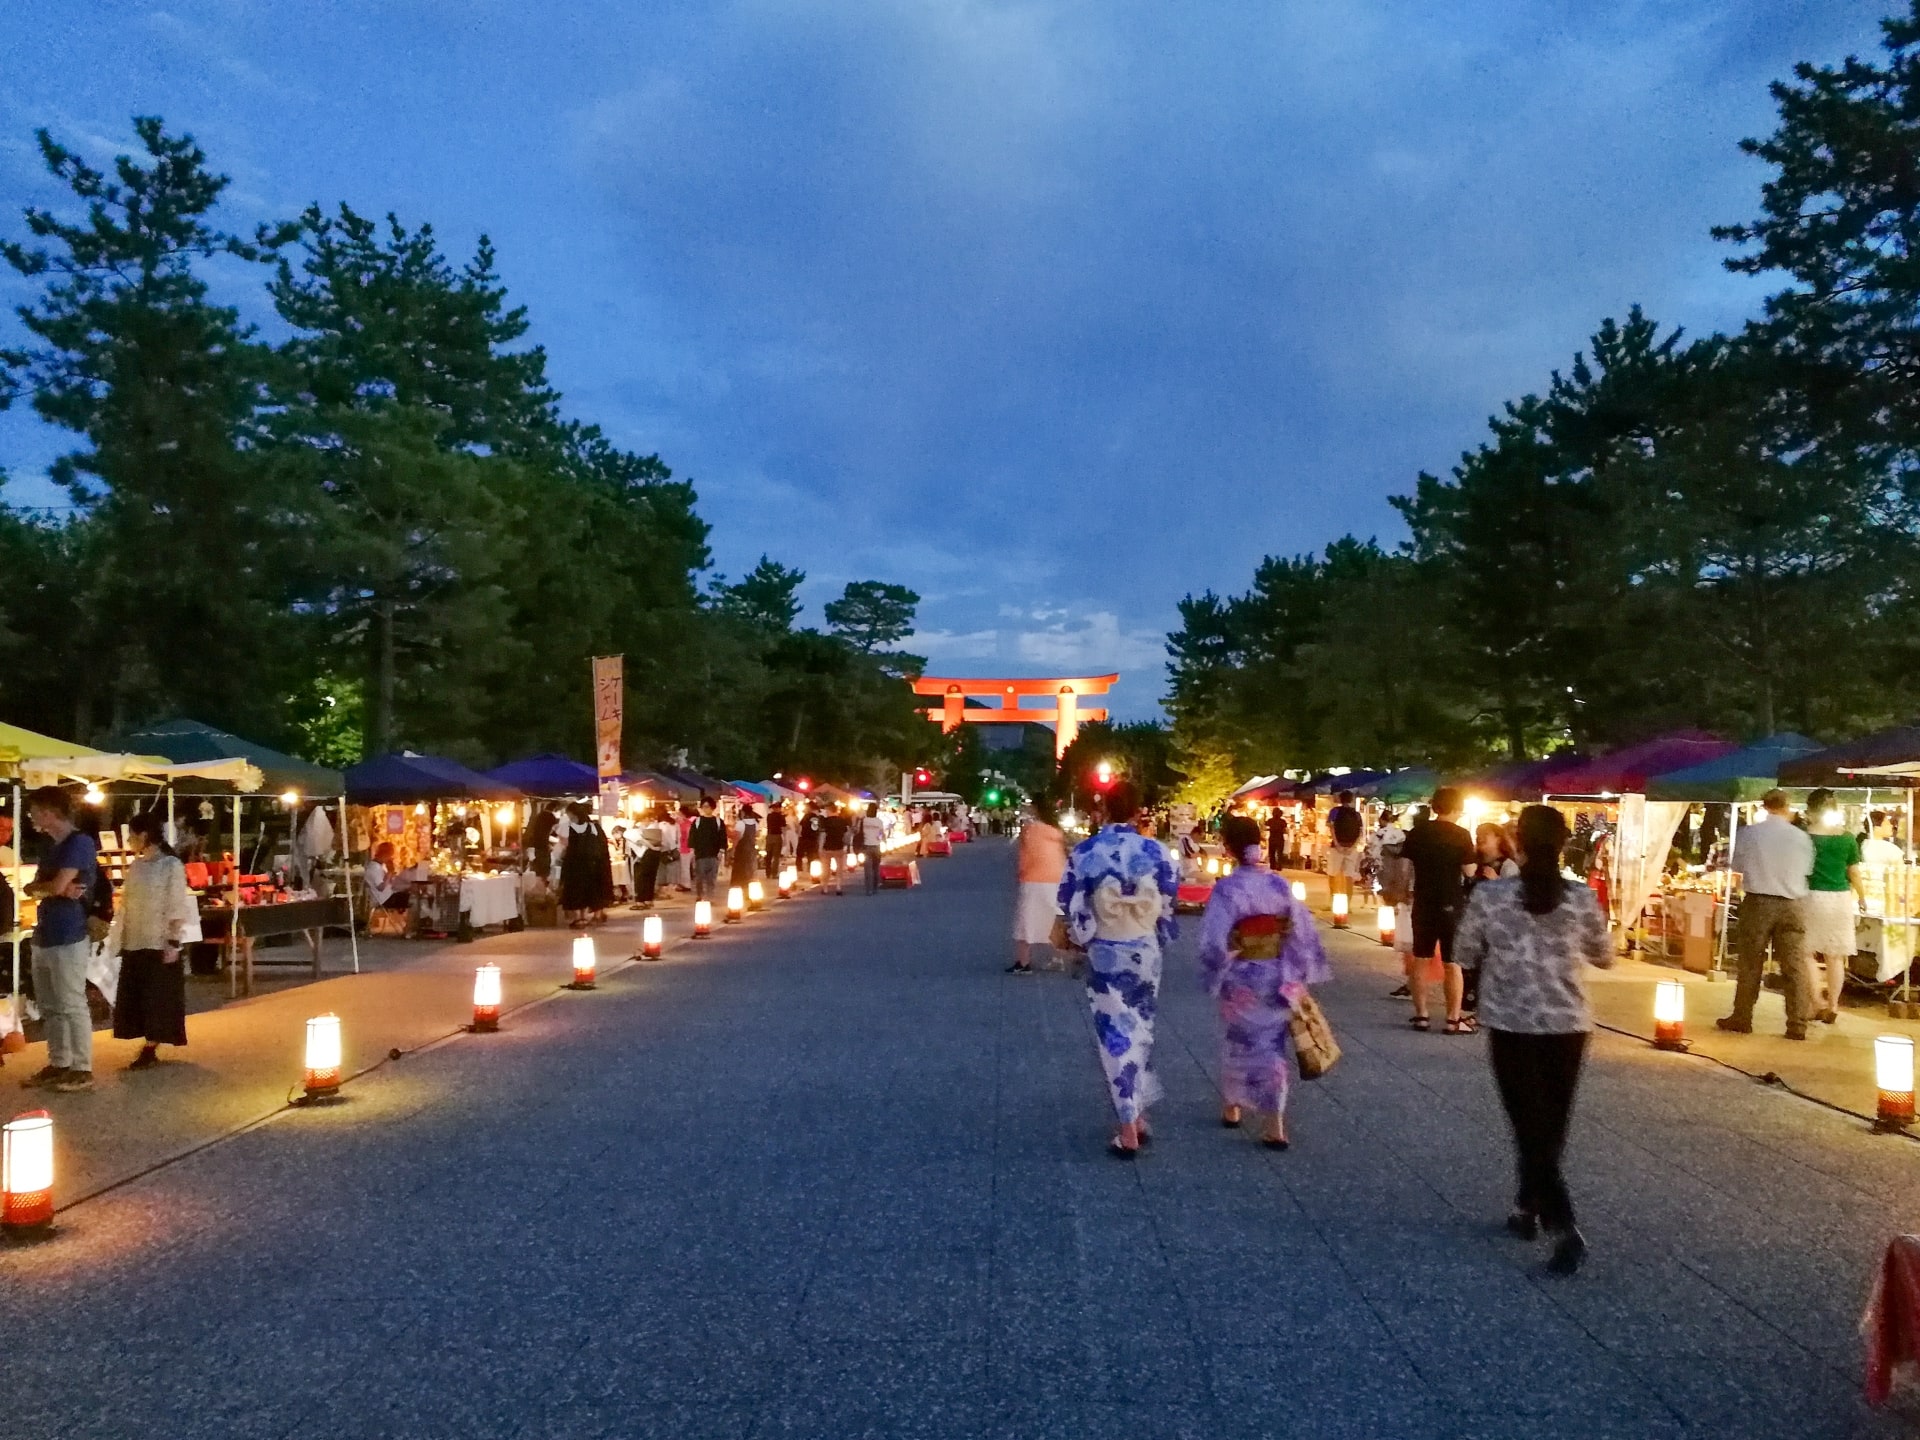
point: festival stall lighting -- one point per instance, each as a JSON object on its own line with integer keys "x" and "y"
{"x": 702, "y": 919}
{"x": 1213, "y": 865}
{"x": 290, "y": 799}
{"x": 756, "y": 895}
{"x": 736, "y": 904}
{"x": 1893, "y": 1075}
{"x": 1300, "y": 891}
{"x": 503, "y": 815}
{"x": 585, "y": 962}
{"x": 26, "y": 1175}
{"x": 1341, "y": 907}
{"x": 1385, "y": 919}
{"x": 95, "y": 795}
{"x": 652, "y": 937}
{"x": 1669, "y": 1015}
{"x": 322, "y": 1078}
{"x": 486, "y": 999}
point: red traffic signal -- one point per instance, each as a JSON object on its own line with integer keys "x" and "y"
{"x": 803, "y": 784}
{"x": 1102, "y": 775}
{"x": 923, "y": 776}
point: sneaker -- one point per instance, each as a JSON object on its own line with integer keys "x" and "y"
{"x": 1019, "y": 969}
{"x": 1796, "y": 1032}
{"x": 1403, "y": 993}
{"x": 1738, "y": 1027}
{"x": 73, "y": 1080}
{"x": 45, "y": 1075}
{"x": 1524, "y": 1223}
{"x": 1569, "y": 1252}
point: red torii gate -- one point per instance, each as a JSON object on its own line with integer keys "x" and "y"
{"x": 1005, "y": 694}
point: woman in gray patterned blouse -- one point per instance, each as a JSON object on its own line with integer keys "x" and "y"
{"x": 1533, "y": 938}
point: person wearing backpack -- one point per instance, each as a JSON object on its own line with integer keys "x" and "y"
{"x": 1344, "y": 856}
{"x": 68, "y": 874}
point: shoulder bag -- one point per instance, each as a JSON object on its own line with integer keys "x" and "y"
{"x": 1314, "y": 1047}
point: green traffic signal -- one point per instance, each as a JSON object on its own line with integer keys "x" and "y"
{"x": 993, "y": 797}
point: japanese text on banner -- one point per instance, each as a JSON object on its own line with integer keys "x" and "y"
{"x": 609, "y": 711}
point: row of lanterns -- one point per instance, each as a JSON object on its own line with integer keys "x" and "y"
{"x": 26, "y": 1141}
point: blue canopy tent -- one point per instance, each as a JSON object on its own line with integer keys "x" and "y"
{"x": 547, "y": 776}
{"x": 405, "y": 779}
{"x": 1742, "y": 776}
{"x": 1400, "y": 787}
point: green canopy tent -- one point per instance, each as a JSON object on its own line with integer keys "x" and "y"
{"x": 187, "y": 741}
{"x": 1739, "y": 778}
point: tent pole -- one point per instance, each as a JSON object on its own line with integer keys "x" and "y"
{"x": 346, "y": 881}
{"x": 233, "y": 930}
{"x": 19, "y": 839}
{"x": 1726, "y": 885}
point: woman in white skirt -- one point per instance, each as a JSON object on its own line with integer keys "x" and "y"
{"x": 1043, "y": 860}
{"x": 1833, "y": 895}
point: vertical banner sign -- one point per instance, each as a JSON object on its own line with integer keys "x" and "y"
{"x": 609, "y": 714}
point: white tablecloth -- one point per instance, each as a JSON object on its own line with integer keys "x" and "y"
{"x": 490, "y": 899}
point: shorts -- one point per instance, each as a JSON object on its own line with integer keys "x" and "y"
{"x": 1343, "y": 862}
{"x": 1433, "y": 930}
{"x": 1034, "y": 913}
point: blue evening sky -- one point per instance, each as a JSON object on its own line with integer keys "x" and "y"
{"x": 1053, "y": 309}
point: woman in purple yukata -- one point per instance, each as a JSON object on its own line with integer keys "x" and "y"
{"x": 1118, "y": 894}
{"x": 1259, "y": 951}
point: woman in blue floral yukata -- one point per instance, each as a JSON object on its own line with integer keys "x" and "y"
{"x": 1259, "y": 951}
{"x": 1118, "y": 896}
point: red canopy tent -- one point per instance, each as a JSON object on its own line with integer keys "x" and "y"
{"x": 1626, "y": 771}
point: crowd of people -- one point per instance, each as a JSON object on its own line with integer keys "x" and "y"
{"x": 1494, "y": 920}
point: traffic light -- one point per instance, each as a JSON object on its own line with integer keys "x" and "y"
{"x": 1102, "y": 775}
{"x": 992, "y": 797}
{"x": 923, "y": 776}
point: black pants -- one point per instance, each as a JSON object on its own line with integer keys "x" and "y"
{"x": 646, "y": 877}
{"x": 871, "y": 859}
{"x": 1537, "y": 1076}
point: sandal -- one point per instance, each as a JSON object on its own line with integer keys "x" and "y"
{"x": 1123, "y": 1152}
{"x": 1465, "y": 1025}
{"x": 1420, "y": 1022}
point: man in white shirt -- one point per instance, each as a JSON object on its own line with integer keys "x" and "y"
{"x": 873, "y": 835}
{"x": 1774, "y": 859}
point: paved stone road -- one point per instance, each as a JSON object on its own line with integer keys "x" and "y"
{"x": 835, "y": 1175}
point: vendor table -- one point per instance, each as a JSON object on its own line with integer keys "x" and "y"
{"x": 448, "y": 904}
{"x": 490, "y": 899}
{"x": 256, "y": 922}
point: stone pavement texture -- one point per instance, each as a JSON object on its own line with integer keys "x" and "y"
{"x": 833, "y": 1174}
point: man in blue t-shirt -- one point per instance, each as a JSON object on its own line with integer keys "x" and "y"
{"x": 69, "y": 866}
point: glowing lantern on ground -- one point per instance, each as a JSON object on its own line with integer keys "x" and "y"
{"x": 26, "y": 1173}
{"x": 1385, "y": 920}
{"x": 1669, "y": 1015}
{"x": 1213, "y": 865}
{"x": 787, "y": 877}
{"x": 756, "y": 894}
{"x": 736, "y": 903}
{"x": 833, "y": 864}
{"x": 652, "y": 937}
{"x": 1893, "y": 1074}
{"x": 323, "y": 1057}
{"x": 1341, "y": 906}
{"x": 814, "y": 871}
{"x": 702, "y": 919}
{"x": 486, "y": 998}
{"x": 1300, "y": 891}
{"x": 585, "y": 962}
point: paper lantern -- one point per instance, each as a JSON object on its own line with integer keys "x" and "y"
{"x": 702, "y": 919}
{"x": 756, "y": 894}
{"x": 1213, "y": 865}
{"x": 1669, "y": 1015}
{"x": 787, "y": 877}
{"x": 1385, "y": 920}
{"x": 652, "y": 937}
{"x": 323, "y": 1057}
{"x": 585, "y": 962}
{"x": 1341, "y": 907}
{"x": 26, "y": 1173}
{"x": 736, "y": 903}
{"x": 1893, "y": 1074}
{"x": 486, "y": 998}
{"x": 813, "y": 871}
{"x": 1300, "y": 891}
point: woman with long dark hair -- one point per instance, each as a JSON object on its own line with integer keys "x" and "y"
{"x": 1532, "y": 938}
{"x": 156, "y": 915}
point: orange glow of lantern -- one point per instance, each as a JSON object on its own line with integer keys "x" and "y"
{"x": 787, "y": 877}
{"x": 1213, "y": 865}
{"x": 486, "y": 999}
{"x": 756, "y": 894}
{"x": 1341, "y": 906}
{"x": 585, "y": 962}
{"x": 1669, "y": 1015}
{"x": 322, "y": 1079}
{"x": 702, "y": 919}
{"x": 653, "y": 935}
{"x": 736, "y": 903}
{"x": 26, "y": 1174}
{"x": 813, "y": 871}
{"x": 1300, "y": 891}
{"x": 1385, "y": 920}
{"x": 1893, "y": 1075}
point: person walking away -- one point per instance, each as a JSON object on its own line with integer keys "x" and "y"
{"x": 539, "y": 838}
{"x": 833, "y": 845}
{"x": 1835, "y": 891}
{"x": 1041, "y": 861}
{"x": 776, "y": 829}
{"x": 68, "y": 868}
{"x": 808, "y": 848}
{"x": 873, "y": 841}
{"x": 1532, "y": 937}
{"x": 1346, "y": 829}
{"x": 1443, "y": 856}
{"x": 1259, "y": 951}
{"x": 706, "y": 843}
{"x": 1493, "y": 860}
{"x": 654, "y": 844}
{"x": 156, "y": 916}
{"x": 1118, "y": 893}
{"x": 1277, "y": 839}
{"x": 746, "y": 851}
{"x": 1396, "y": 893}
{"x": 1773, "y": 860}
